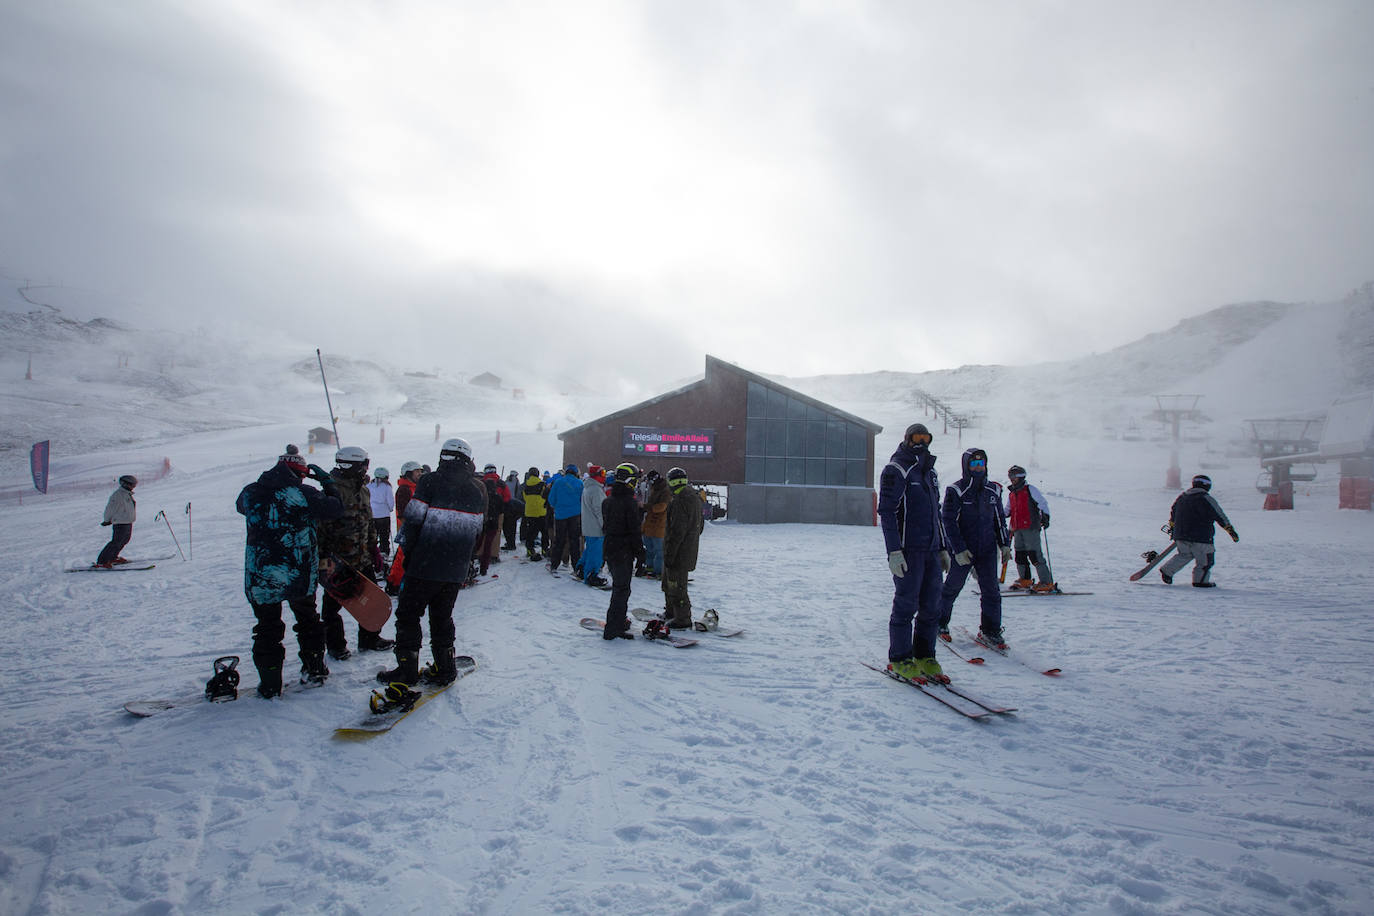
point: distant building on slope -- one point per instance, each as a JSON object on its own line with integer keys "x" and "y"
{"x": 784, "y": 456}
{"x": 485, "y": 380}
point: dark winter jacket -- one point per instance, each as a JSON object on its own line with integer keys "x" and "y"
{"x": 909, "y": 502}
{"x": 620, "y": 524}
{"x": 282, "y": 553}
{"x": 656, "y": 509}
{"x": 497, "y": 498}
{"x": 405, "y": 489}
{"x": 683, "y": 533}
{"x": 443, "y": 521}
{"x": 350, "y": 537}
{"x": 972, "y": 513}
{"x": 1193, "y": 515}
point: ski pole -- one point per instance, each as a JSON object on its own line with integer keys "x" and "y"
{"x": 1048, "y": 565}
{"x": 163, "y": 515}
{"x": 190, "y": 544}
{"x": 327, "y": 401}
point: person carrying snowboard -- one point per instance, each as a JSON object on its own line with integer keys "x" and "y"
{"x": 443, "y": 521}
{"x": 977, "y": 532}
{"x": 120, "y": 513}
{"x": 681, "y": 540}
{"x": 281, "y": 556}
{"x": 1190, "y": 525}
{"x": 917, "y": 553}
{"x": 348, "y": 538}
{"x": 1028, "y": 513}
{"x": 624, "y": 545}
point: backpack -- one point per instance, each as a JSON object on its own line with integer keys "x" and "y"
{"x": 495, "y": 504}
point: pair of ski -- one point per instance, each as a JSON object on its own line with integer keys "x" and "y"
{"x": 127, "y": 566}
{"x": 1004, "y": 651}
{"x": 963, "y": 703}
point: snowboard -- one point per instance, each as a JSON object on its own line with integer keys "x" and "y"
{"x": 677, "y": 642}
{"x": 1152, "y": 559}
{"x": 644, "y": 614}
{"x": 374, "y": 724}
{"x": 124, "y": 567}
{"x": 145, "y": 708}
{"x": 358, "y": 594}
{"x": 1011, "y": 593}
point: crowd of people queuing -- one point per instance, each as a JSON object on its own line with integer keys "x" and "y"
{"x": 451, "y": 525}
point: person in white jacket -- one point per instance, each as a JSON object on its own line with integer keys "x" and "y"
{"x": 120, "y": 513}
{"x": 383, "y": 504}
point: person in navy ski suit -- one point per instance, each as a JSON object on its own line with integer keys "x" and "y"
{"x": 917, "y": 550}
{"x": 977, "y": 530}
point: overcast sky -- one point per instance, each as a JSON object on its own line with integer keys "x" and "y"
{"x": 618, "y": 188}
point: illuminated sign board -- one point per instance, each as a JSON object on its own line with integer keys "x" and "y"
{"x": 654, "y": 442}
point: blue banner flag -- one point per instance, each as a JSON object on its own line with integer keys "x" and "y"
{"x": 38, "y": 463}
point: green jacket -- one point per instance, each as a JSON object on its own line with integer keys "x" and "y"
{"x": 684, "y": 528}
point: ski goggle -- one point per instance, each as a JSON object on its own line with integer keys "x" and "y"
{"x": 919, "y": 439}
{"x": 978, "y": 464}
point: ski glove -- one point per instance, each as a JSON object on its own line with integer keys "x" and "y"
{"x": 318, "y": 473}
{"x": 944, "y": 561}
{"x": 1044, "y": 521}
{"x": 964, "y": 557}
{"x": 897, "y": 563}
{"x": 106, "y": 524}
{"x": 1230, "y": 529}
{"x": 1006, "y": 555}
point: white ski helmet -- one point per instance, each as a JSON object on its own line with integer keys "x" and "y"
{"x": 409, "y": 466}
{"x": 350, "y": 455}
{"x": 456, "y": 448}
{"x": 381, "y": 474}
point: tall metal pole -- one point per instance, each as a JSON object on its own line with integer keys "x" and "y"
{"x": 327, "y": 401}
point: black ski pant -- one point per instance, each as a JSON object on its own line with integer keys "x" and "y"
{"x": 119, "y": 537}
{"x": 268, "y": 652}
{"x": 381, "y": 530}
{"x": 509, "y": 525}
{"x": 335, "y": 639}
{"x": 534, "y": 530}
{"x": 622, "y": 574}
{"x": 419, "y": 596}
{"x": 567, "y": 536}
{"x": 677, "y": 606}
{"x": 990, "y": 600}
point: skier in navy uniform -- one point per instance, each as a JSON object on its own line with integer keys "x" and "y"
{"x": 1190, "y": 525}
{"x": 917, "y": 553}
{"x": 977, "y": 532}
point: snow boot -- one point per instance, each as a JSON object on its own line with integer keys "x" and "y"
{"x": 1021, "y": 585}
{"x": 1045, "y": 588}
{"x": 442, "y": 670}
{"x": 372, "y": 642}
{"x": 930, "y": 669}
{"x": 396, "y": 697}
{"x": 908, "y": 668}
{"x": 1168, "y": 579}
{"x": 943, "y": 633}
{"x": 407, "y": 670}
{"x": 269, "y": 682}
{"x": 313, "y": 670}
{"x": 1204, "y": 585}
{"x": 993, "y": 639}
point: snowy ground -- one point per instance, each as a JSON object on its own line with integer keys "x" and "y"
{"x": 1203, "y": 752}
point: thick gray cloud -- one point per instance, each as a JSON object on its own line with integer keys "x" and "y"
{"x": 801, "y": 187}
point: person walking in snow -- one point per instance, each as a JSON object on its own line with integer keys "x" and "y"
{"x": 281, "y": 556}
{"x": 681, "y": 543}
{"x": 383, "y": 504}
{"x": 1028, "y": 513}
{"x": 977, "y": 531}
{"x": 593, "y": 495}
{"x": 624, "y": 545}
{"x": 349, "y": 539}
{"x": 565, "y": 499}
{"x": 121, "y": 511}
{"x": 443, "y": 521}
{"x": 1190, "y": 525}
{"x": 917, "y": 553}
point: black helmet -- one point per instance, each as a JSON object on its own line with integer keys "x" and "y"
{"x": 917, "y": 431}
{"x": 627, "y": 474}
{"x": 128, "y": 481}
{"x": 1016, "y": 471}
{"x": 1202, "y": 481}
{"x": 677, "y": 477}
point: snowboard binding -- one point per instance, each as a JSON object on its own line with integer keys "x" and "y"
{"x": 708, "y": 622}
{"x": 396, "y": 697}
{"x": 224, "y": 686}
{"x": 1150, "y": 556}
{"x": 657, "y": 629}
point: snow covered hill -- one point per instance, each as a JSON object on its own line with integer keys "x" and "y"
{"x": 1204, "y": 751}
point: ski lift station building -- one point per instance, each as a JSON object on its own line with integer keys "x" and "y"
{"x": 784, "y": 456}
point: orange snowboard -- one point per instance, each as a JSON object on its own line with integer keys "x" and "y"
{"x": 358, "y": 594}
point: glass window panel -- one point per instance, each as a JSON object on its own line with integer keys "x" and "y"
{"x": 777, "y": 470}
{"x": 815, "y": 439}
{"x": 796, "y": 471}
{"x": 815, "y": 472}
{"x": 858, "y": 442}
{"x": 756, "y": 403}
{"x": 796, "y": 438}
{"x": 834, "y": 472}
{"x": 796, "y": 409}
{"x": 754, "y": 470}
{"x": 855, "y": 472}
{"x": 777, "y": 438}
{"x": 815, "y": 413}
{"x": 835, "y": 438}
{"x": 755, "y": 437}
{"x": 777, "y": 403}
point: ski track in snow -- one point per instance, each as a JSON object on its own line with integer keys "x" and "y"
{"x": 1204, "y": 751}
